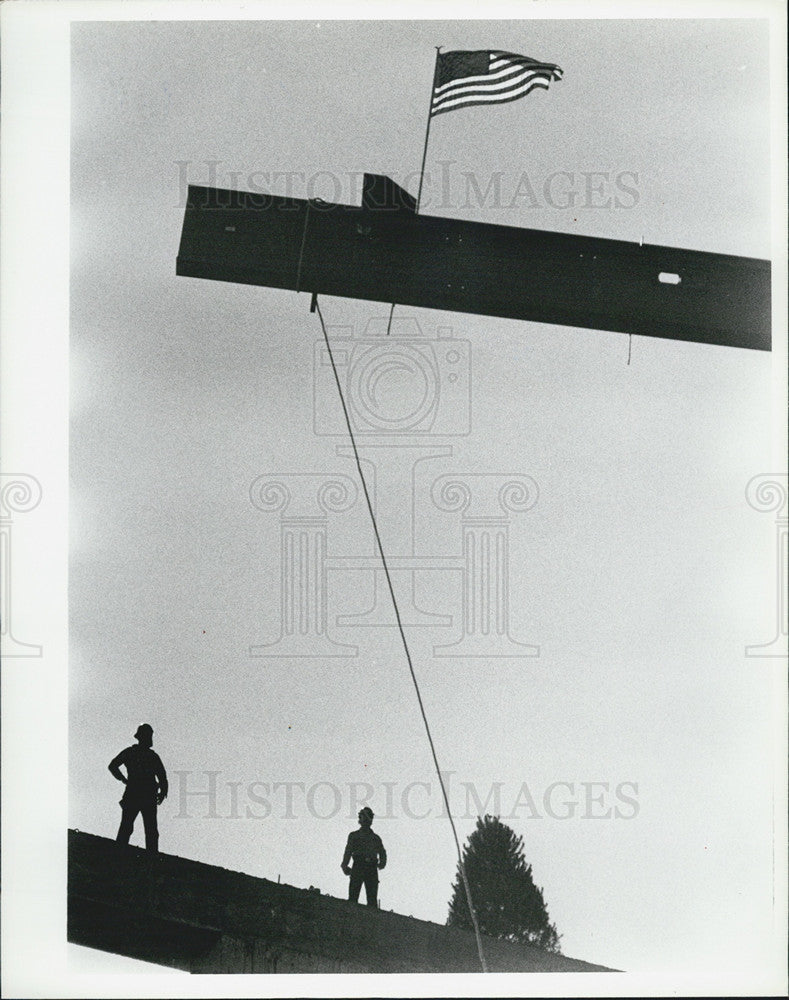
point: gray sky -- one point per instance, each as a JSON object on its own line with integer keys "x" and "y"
{"x": 641, "y": 572}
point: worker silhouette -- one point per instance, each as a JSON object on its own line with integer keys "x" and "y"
{"x": 146, "y": 786}
{"x": 368, "y": 853}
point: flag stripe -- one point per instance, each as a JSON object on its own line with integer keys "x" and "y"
{"x": 494, "y": 88}
{"x": 480, "y": 101}
{"x": 521, "y": 61}
{"x": 481, "y": 98}
{"x": 485, "y": 78}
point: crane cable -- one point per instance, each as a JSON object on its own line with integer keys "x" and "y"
{"x": 461, "y": 865}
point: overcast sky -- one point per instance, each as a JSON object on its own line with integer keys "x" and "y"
{"x": 641, "y": 572}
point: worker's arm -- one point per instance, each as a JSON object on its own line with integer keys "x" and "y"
{"x": 346, "y": 857}
{"x": 161, "y": 777}
{"x": 114, "y": 767}
{"x": 381, "y": 854}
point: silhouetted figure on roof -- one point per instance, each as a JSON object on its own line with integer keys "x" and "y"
{"x": 368, "y": 853}
{"x": 146, "y": 786}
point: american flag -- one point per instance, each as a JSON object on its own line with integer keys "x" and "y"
{"x": 483, "y": 77}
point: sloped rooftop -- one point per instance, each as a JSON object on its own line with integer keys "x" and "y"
{"x": 201, "y": 918}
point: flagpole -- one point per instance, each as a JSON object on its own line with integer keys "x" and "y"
{"x": 427, "y": 130}
{"x": 424, "y": 159}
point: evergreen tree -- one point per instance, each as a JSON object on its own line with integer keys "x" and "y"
{"x": 508, "y": 904}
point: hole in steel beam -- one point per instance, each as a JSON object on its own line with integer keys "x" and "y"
{"x": 668, "y": 278}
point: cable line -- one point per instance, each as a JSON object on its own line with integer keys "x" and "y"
{"x": 461, "y": 865}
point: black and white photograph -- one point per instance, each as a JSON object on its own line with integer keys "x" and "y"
{"x": 394, "y": 500}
